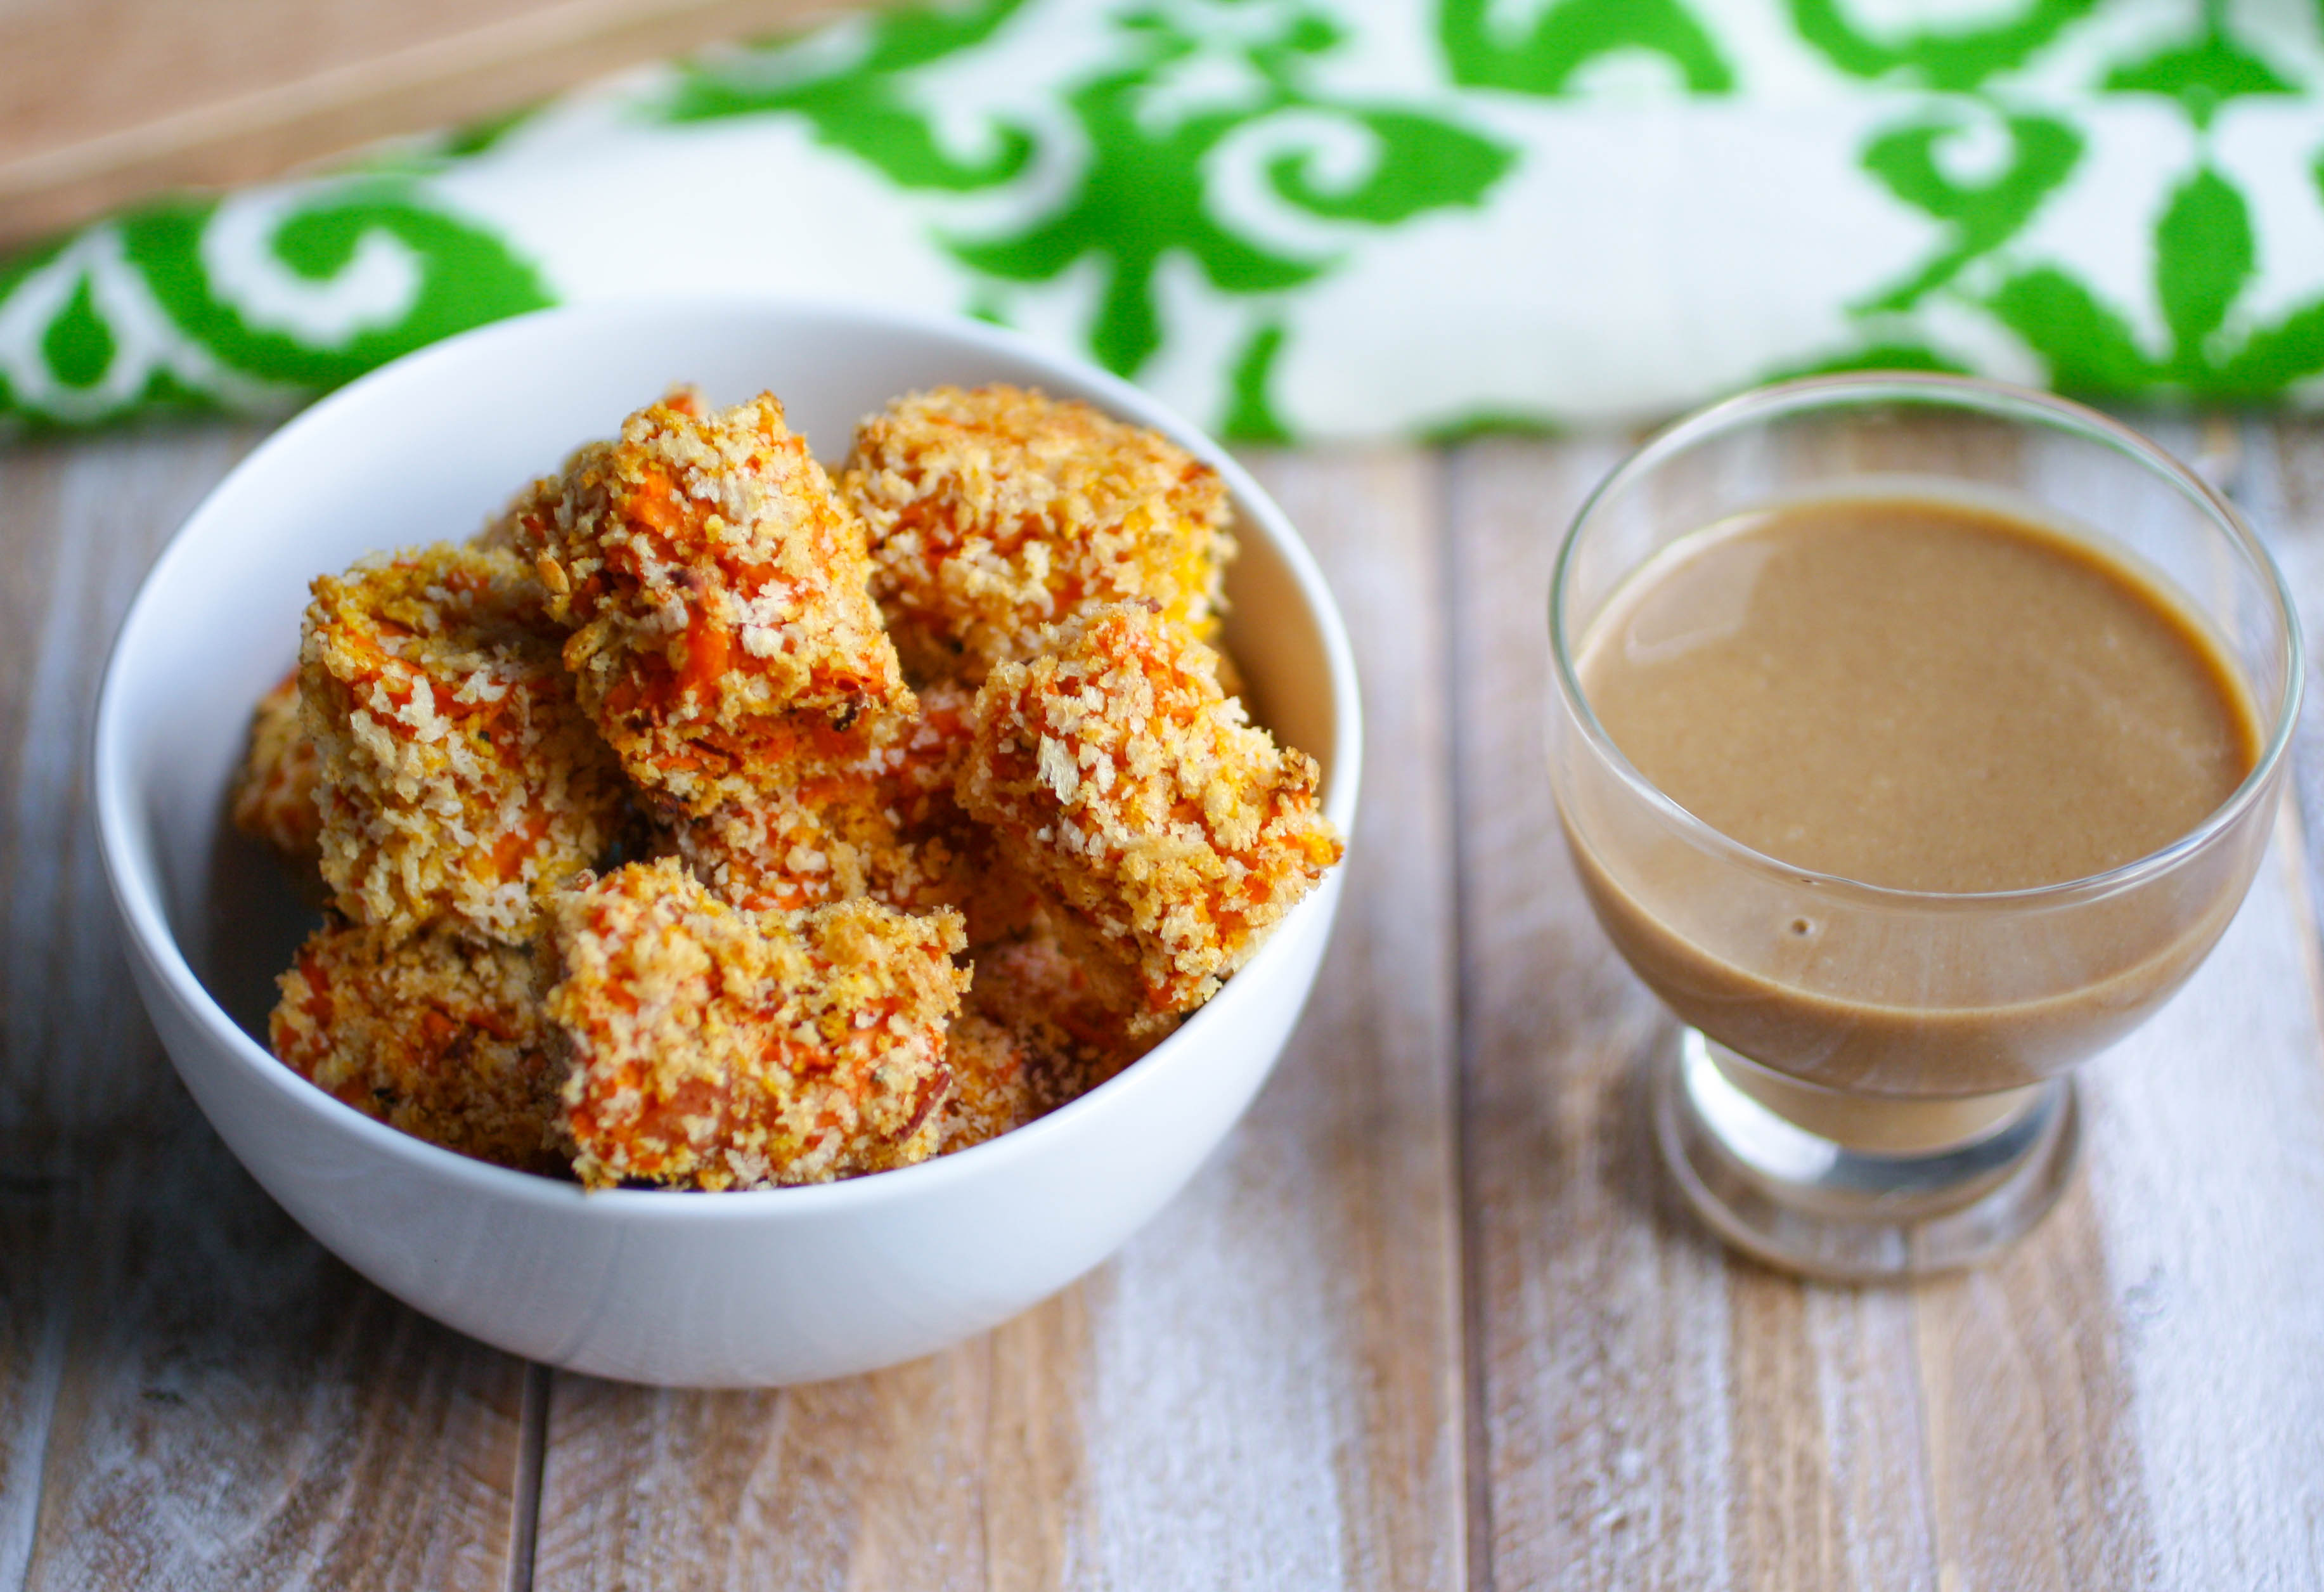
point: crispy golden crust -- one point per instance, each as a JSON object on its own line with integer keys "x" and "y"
{"x": 1115, "y": 773}
{"x": 798, "y": 849}
{"x": 715, "y": 588}
{"x": 275, "y": 794}
{"x": 917, "y": 762}
{"x": 997, "y": 511}
{"x": 460, "y": 780}
{"x": 870, "y": 813}
{"x": 713, "y": 1048}
{"x": 1050, "y": 1018}
{"x": 436, "y": 1035}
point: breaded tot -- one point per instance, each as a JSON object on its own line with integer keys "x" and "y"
{"x": 869, "y": 814}
{"x": 1047, "y": 1022}
{"x": 997, "y": 511}
{"x": 715, "y": 588}
{"x": 437, "y": 1036}
{"x": 792, "y": 849}
{"x": 460, "y": 779}
{"x": 996, "y": 1088}
{"x": 1116, "y": 774}
{"x": 713, "y": 1048}
{"x": 275, "y": 794}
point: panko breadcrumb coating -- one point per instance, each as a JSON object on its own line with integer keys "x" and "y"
{"x": 871, "y": 815}
{"x": 1115, "y": 773}
{"x": 274, "y": 795}
{"x": 436, "y": 1035}
{"x": 460, "y": 779}
{"x": 917, "y": 762}
{"x": 715, "y": 588}
{"x": 790, "y": 849}
{"x": 831, "y": 824}
{"x": 714, "y": 1048}
{"x": 997, "y": 511}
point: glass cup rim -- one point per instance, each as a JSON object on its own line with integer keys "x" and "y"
{"x": 1974, "y": 394}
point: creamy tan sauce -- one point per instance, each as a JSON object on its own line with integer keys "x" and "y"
{"x": 1919, "y": 694}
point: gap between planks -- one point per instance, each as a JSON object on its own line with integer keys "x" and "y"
{"x": 532, "y": 1452}
{"x": 1475, "y": 1458}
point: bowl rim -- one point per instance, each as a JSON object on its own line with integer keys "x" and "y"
{"x": 137, "y": 891}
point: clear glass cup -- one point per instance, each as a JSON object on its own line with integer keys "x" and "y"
{"x": 1873, "y": 1082}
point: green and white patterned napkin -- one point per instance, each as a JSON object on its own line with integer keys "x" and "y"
{"x": 1323, "y": 218}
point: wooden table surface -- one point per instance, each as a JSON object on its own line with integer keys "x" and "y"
{"x": 1429, "y": 1320}
{"x": 105, "y": 102}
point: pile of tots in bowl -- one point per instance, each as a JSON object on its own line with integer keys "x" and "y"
{"x": 704, "y": 823}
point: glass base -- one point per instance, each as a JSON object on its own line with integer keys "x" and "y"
{"x": 1948, "y": 1183}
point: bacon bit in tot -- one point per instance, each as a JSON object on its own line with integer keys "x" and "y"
{"x": 460, "y": 780}
{"x": 715, "y": 586}
{"x": 438, "y": 1036}
{"x": 1116, "y": 774}
{"x": 714, "y": 1048}
{"x": 998, "y": 511}
{"x": 274, "y": 795}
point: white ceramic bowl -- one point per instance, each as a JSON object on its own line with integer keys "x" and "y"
{"x": 719, "y": 1289}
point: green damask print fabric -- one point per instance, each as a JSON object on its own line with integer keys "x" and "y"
{"x": 1313, "y": 219}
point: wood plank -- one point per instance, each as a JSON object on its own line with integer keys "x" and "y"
{"x": 2279, "y": 486}
{"x": 105, "y": 101}
{"x": 192, "y": 1393}
{"x": 2207, "y": 1164}
{"x": 2034, "y": 1464}
{"x": 1602, "y": 1315}
{"x": 1262, "y": 1390}
{"x": 1656, "y": 1414}
{"x": 870, "y": 1481}
{"x": 85, "y": 521}
{"x": 2037, "y": 1473}
{"x": 958, "y": 1470}
{"x": 234, "y": 1407}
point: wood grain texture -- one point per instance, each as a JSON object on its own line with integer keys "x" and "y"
{"x": 233, "y": 1408}
{"x": 1263, "y": 1388}
{"x": 2207, "y": 1162}
{"x": 2280, "y": 486}
{"x": 867, "y": 1482}
{"x": 192, "y": 1393}
{"x": 1603, "y": 1315}
{"x": 961, "y": 1470}
{"x": 2034, "y": 1469}
{"x": 83, "y": 521}
{"x": 105, "y": 101}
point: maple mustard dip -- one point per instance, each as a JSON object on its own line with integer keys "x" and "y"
{"x": 1924, "y": 695}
